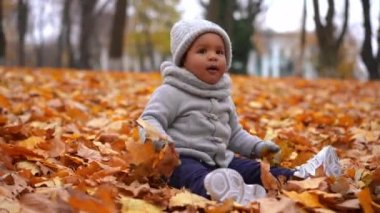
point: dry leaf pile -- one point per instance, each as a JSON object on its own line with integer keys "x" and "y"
{"x": 69, "y": 142}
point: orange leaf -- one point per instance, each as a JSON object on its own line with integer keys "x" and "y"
{"x": 365, "y": 200}
{"x": 268, "y": 180}
{"x": 4, "y": 101}
{"x": 167, "y": 160}
{"x": 86, "y": 203}
{"x": 306, "y": 198}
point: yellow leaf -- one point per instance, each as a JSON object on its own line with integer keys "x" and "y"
{"x": 270, "y": 134}
{"x": 131, "y": 205}
{"x": 256, "y": 105}
{"x": 55, "y": 182}
{"x": 31, "y": 142}
{"x": 185, "y": 198}
{"x": 306, "y": 198}
{"x": 8, "y": 205}
{"x": 33, "y": 168}
{"x": 151, "y": 132}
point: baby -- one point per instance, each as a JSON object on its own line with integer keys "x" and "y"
{"x": 194, "y": 109}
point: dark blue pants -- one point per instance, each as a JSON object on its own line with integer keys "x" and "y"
{"x": 191, "y": 173}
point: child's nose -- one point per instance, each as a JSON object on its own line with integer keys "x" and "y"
{"x": 212, "y": 56}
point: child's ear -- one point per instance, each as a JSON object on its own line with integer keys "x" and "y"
{"x": 182, "y": 62}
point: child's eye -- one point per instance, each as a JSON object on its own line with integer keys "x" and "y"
{"x": 220, "y": 52}
{"x": 202, "y": 51}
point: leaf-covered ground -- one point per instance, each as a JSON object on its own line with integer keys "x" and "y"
{"x": 69, "y": 143}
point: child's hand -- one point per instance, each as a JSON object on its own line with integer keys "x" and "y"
{"x": 264, "y": 148}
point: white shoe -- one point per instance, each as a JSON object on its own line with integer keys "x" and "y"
{"x": 327, "y": 158}
{"x": 223, "y": 183}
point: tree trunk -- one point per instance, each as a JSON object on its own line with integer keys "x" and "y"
{"x": 65, "y": 51}
{"x": 300, "y": 61}
{"x": 2, "y": 36}
{"x": 329, "y": 45}
{"x": 221, "y": 12}
{"x": 87, "y": 24}
{"x": 149, "y": 47}
{"x": 366, "y": 53}
{"x": 240, "y": 30}
{"x": 40, "y": 26}
{"x": 22, "y": 22}
{"x": 117, "y": 35}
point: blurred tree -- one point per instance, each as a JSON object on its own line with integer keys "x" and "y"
{"x": 86, "y": 27}
{"x": 65, "y": 56}
{"x": 237, "y": 18}
{"x": 221, "y": 12}
{"x": 298, "y": 71}
{"x": 117, "y": 35}
{"x": 40, "y": 27}
{"x": 329, "y": 44}
{"x": 371, "y": 61}
{"x": 147, "y": 41}
{"x": 2, "y": 36}
{"x": 22, "y": 21}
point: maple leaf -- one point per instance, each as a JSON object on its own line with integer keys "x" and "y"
{"x": 268, "y": 180}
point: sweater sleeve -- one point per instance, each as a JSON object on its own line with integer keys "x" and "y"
{"x": 160, "y": 110}
{"x": 241, "y": 141}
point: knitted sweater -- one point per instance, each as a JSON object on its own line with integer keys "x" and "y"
{"x": 199, "y": 117}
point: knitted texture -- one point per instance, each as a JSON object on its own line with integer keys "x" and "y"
{"x": 185, "y": 32}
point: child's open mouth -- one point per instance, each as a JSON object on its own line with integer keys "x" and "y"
{"x": 212, "y": 68}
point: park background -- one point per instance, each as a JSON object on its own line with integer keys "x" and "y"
{"x": 271, "y": 38}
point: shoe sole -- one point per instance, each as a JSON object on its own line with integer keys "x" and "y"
{"x": 222, "y": 184}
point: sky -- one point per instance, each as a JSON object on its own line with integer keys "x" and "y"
{"x": 285, "y": 15}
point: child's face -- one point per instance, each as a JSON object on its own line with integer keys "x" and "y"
{"x": 206, "y": 58}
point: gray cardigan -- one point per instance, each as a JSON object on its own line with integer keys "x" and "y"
{"x": 200, "y": 118}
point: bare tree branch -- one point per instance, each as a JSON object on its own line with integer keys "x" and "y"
{"x": 345, "y": 23}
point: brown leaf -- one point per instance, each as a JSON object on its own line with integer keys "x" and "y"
{"x": 302, "y": 185}
{"x": 268, "y": 180}
{"x": 87, "y": 153}
{"x": 306, "y": 198}
{"x": 281, "y": 204}
{"x": 167, "y": 160}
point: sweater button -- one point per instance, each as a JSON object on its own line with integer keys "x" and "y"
{"x": 213, "y": 117}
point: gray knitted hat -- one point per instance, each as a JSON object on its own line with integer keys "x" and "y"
{"x": 185, "y": 32}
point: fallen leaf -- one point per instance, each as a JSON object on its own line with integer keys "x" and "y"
{"x": 365, "y": 200}
{"x": 87, "y": 153}
{"x": 352, "y": 204}
{"x": 281, "y": 204}
{"x": 132, "y": 205}
{"x": 185, "y": 198}
{"x": 302, "y": 185}
{"x": 305, "y": 198}
{"x": 268, "y": 180}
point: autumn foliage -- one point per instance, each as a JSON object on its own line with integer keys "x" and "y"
{"x": 69, "y": 142}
